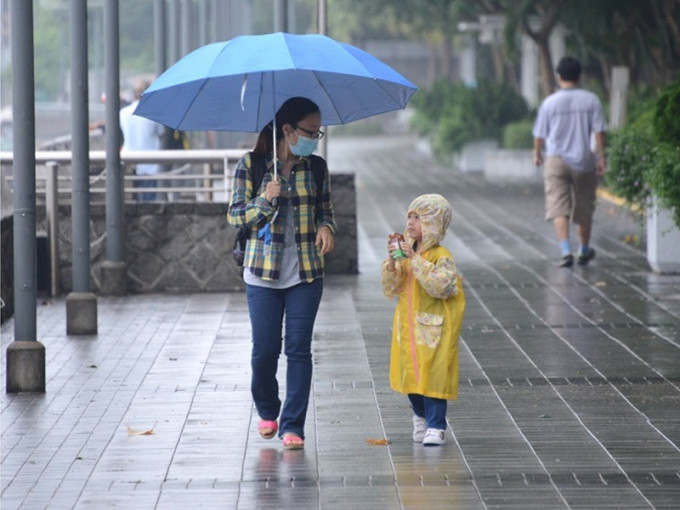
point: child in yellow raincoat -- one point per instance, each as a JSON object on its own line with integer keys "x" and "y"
{"x": 428, "y": 317}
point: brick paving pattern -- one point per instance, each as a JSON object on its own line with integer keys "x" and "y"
{"x": 569, "y": 397}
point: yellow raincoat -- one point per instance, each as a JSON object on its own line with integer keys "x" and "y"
{"x": 429, "y": 312}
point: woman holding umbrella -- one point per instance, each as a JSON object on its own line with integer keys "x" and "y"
{"x": 292, "y": 229}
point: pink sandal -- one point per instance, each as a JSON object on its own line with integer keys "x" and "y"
{"x": 267, "y": 428}
{"x": 292, "y": 441}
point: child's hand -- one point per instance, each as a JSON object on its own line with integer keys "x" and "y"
{"x": 407, "y": 249}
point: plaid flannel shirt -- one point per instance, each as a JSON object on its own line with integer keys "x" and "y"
{"x": 249, "y": 207}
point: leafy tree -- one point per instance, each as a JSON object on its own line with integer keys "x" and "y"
{"x": 434, "y": 21}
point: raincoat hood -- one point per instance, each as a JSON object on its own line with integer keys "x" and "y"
{"x": 435, "y": 216}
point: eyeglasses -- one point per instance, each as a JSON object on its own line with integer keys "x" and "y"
{"x": 314, "y": 135}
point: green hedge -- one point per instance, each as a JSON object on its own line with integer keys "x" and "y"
{"x": 453, "y": 114}
{"x": 518, "y": 135}
{"x": 644, "y": 155}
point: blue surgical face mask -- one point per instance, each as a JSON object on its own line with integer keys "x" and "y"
{"x": 304, "y": 147}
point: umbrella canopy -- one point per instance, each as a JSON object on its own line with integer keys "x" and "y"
{"x": 238, "y": 85}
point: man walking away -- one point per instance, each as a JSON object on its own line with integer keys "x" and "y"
{"x": 565, "y": 124}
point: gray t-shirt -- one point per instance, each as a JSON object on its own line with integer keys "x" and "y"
{"x": 566, "y": 120}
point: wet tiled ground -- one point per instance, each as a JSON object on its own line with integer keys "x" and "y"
{"x": 570, "y": 378}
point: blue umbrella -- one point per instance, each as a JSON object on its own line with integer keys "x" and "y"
{"x": 238, "y": 85}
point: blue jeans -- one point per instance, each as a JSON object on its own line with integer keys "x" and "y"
{"x": 432, "y": 409}
{"x": 146, "y": 196}
{"x": 268, "y": 309}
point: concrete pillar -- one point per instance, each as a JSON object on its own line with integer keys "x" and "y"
{"x": 185, "y": 28}
{"x": 280, "y": 15}
{"x": 25, "y": 355}
{"x": 160, "y": 32}
{"x": 617, "y": 96}
{"x": 558, "y": 47}
{"x": 204, "y": 29}
{"x": 468, "y": 61}
{"x": 173, "y": 32}
{"x": 79, "y": 317}
{"x": 529, "y": 77}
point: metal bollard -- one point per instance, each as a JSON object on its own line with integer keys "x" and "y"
{"x": 52, "y": 216}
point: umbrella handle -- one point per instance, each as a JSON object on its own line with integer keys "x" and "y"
{"x": 275, "y": 202}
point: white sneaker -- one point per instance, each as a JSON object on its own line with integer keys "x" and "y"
{"x": 419, "y": 427}
{"x": 434, "y": 437}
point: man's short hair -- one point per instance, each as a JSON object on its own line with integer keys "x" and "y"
{"x": 140, "y": 87}
{"x": 569, "y": 69}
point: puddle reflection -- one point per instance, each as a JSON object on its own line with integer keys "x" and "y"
{"x": 289, "y": 479}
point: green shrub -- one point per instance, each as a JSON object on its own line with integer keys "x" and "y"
{"x": 453, "y": 114}
{"x": 517, "y": 135}
{"x": 629, "y": 161}
{"x": 667, "y": 115}
{"x": 644, "y": 156}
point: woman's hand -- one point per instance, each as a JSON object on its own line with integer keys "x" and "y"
{"x": 273, "y": 190}
{"x": 325, "y": 240}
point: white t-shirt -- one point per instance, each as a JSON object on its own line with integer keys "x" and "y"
{"x": 140, "y": 134}
{"x": 566, "y": 120}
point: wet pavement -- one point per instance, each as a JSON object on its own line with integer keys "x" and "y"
{"x": 569, "y": 397}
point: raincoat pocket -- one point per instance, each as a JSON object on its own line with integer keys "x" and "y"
{"x": 428, "y": 329}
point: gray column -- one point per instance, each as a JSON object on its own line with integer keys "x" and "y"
{"x": 529, "y": 71}
{"x": 185, "y": 27}
{"x": 204, "y": 29}
{"x": 81, "y": 304}
{"x": 25, "y": 355}
{"x": 280, "y": 15}
{"x": 160, "y": 35}
{"x": 617, "y": 96}
{"x": 114, "y": 269}
{"x": 468, "y": 60}
{"x": 173, "y": 32}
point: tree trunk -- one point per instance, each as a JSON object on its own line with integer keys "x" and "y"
{"x": 547, "y": 70}
{"x": 541, "y": 37}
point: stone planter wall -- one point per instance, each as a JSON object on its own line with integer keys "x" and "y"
{"x": 663, "y": 241}
{"x": 472, "y": 157}
{"x": 511, "y": 165}
{"x": 186, "y": 247}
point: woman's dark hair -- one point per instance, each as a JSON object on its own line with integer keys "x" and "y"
{"x": 569, "y": 69}
{"x": 291, "y": 112}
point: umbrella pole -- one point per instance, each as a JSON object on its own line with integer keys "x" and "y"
{"x": 276, "y": 166}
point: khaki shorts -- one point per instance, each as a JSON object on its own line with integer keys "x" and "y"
{"x": 569, "y": 193}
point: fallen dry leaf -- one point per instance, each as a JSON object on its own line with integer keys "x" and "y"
{"x": 632, "y": 239}
{"x": 133, "y": 432}
{"x": 377, "y": 442}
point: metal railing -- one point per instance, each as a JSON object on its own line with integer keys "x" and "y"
{"x": 52, "y": 159}
{"x": 205, "y": 181}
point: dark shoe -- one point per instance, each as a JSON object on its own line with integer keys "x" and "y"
{"x": 583, "y": 260}
{"x": 567, "y": 261}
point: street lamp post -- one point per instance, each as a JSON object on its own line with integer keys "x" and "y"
{"x": 25, "y": 355}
